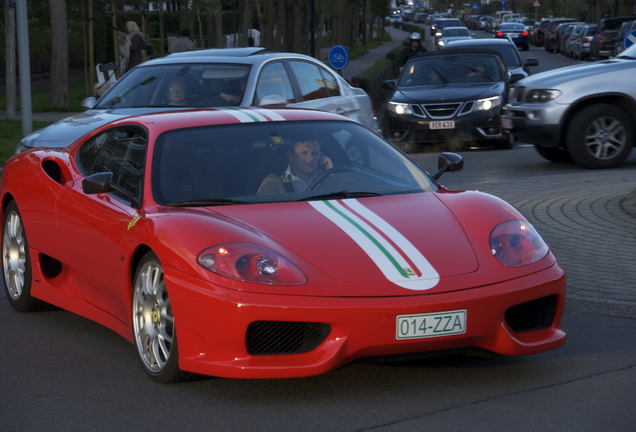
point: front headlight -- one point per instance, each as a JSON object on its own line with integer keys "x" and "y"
{"x": 399, "y": 108}
{"x": 517, "y": 243}
{"x": 489, "y": 103}
{"x": 440, "y": 43}
{"x": 250, "y": 263}
{"x": 542, "y": 95}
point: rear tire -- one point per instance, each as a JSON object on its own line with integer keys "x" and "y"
{"x": 601, "y": 136}
{"x": 16, "y": 264}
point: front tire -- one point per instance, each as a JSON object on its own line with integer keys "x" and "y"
{"x": 16, "y": 264}
{"x": 153, "y": 324}
{"x": 600, "y": 137}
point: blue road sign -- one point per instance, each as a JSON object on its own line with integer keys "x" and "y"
{"x": 338, "y": 57}
{"x": 630, "y": 39}
{"x": 475, "y": 5}
{"x": 504, "y": 5}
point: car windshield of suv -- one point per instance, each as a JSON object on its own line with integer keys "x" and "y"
{"x": 279, "y": 161}
{"x": 451, "y": 69}
{"x": 184, "y": 85}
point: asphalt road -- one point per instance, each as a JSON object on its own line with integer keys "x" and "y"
{"x": 60, "y": 372}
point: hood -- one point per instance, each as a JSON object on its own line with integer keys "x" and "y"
{"x": 550, "y": 79}
{"x": 384, "y": 246}
{"x": 448, "y": 92}
{"x": 66, "y": 131}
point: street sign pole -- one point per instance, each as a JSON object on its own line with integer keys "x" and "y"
{"x": 25, "y": 67}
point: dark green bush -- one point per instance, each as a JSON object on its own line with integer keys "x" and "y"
{"x": 371, "y": 79}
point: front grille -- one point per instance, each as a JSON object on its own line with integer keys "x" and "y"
{"x": 439, "y": 111}
{"x": 533, "y": 315}
{"x": 285, "y": 337}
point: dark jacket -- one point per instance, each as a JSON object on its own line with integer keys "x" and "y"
{"x": 409, "y": 52}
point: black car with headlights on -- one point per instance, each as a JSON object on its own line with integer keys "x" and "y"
{"x": 449, "y": 96}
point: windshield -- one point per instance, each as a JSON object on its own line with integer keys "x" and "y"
{"x": 455, "y": 31}
{"x": 451, "y": 69}
{"x": 185, "y": 85}
{"x": 265, "y": 162}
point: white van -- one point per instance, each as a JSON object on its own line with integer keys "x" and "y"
{"x": 500, "y": 17}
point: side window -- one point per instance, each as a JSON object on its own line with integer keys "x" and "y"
{"x": 274, "y": 80}
{"x": 314, "y": 82}
{"x": 121, "y": 151}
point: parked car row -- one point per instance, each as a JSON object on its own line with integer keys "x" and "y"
{"x": 580, "y": 40}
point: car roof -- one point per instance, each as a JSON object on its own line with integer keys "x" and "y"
{"x": 481, "y": 42}
{"x": 251, "y": 55}
{"x": 220, "y": 116}
{"x": 456, "y": 51}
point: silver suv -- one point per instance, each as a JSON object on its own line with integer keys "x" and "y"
{"x": 583, "y": 113}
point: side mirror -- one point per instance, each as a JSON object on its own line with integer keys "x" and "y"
{"x": 98, "y": 183}
{"x": 448, "y": 162}
{"x": 272, "y": 100}
{"x": 515, "y": 77}
{"x": 531, "y": 61}
{"x": 103, "y": 182}
{"x": 388, "y": 85}
{"x": 89, "y": 103}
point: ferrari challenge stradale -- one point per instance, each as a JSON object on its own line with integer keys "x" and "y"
{"x": 256, "y": 243}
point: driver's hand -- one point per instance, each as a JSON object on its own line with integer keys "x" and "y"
{"x": 325, "y": 163}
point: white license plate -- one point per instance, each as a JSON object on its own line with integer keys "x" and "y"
{"x": 431, "y": 324}
{"x": 442, "y": 124}
{"x": 513, "y": 35}
{"x": 506, "y": 123}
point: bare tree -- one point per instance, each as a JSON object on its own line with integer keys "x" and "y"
{"x": 59, "y": 54}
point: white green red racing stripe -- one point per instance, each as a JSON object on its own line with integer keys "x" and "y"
{"x": 251, "y": 115}
{"x": 393, "y": 254}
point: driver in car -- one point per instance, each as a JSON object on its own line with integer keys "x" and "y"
{"x": 306, "y": 162}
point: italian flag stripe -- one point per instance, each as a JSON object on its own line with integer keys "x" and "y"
{"x": 394, "y": 255}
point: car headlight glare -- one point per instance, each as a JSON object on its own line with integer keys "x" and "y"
{"x": 517, "y": 243}
{"x": 250, "y": 263}
{"x": 489, "y": 103}
{"x": 542, "y": 95}
{"x": 400, "y": 108}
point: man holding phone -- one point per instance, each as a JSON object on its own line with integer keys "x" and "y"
{"x": 305, "y": 163}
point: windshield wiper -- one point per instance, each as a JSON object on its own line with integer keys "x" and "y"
{"x": 206, "y": 202}
{"x": 341, "y": 194}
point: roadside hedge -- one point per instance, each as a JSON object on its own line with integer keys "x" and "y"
{"x": 385, "y": 69}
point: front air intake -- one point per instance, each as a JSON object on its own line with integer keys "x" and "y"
{"x": 284, "y": 337}
{"x": 533, "y": 315}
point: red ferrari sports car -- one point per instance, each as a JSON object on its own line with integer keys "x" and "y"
{"x": 256, "y": 243}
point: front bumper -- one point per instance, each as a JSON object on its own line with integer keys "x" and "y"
{"x": 477, "y": 127}
{"x": 538, "y": 124}
{"x": 214, "y": 325}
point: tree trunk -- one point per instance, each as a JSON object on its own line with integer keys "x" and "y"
{"x": 10, "y": 65}
{"x": 59, "y": 54}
